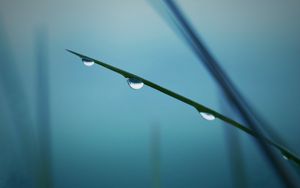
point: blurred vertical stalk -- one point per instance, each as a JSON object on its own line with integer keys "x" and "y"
{"x": 24, "y": 169}
{"x": 43, "y": 109}
{"x": 235, "y": 155}
{"x": 155, "y": 142}
{"x": 235, "y": 151}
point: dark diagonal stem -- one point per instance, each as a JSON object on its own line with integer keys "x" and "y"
{"x": 229, "y": 89}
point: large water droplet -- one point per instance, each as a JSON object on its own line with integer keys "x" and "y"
{"x": 207, "y": 116}
{"x": 88, "y": 62}
{"x": 135, "y": 83}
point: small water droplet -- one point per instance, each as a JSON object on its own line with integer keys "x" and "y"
{"x": 285, "y": 157}
{"x": 88, "y": 62}
{"x": 207, "y": 116}
{"x": 135, "y": 83}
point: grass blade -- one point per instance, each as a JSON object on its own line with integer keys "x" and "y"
{"x": 197, "y": 106}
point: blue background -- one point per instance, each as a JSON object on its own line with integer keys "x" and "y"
{"x": 101, "y": 129}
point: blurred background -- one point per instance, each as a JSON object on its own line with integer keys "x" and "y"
{"x": 63, "y": 124}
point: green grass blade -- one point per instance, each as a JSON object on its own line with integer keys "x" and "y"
{"x": 199, "y": 107}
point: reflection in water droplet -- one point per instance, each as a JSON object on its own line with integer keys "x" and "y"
{"x": 207, "y": 116}
{"x": 285, "y": 157}
{"x": 88, "y": 62}
{"x": 135, "y": 83}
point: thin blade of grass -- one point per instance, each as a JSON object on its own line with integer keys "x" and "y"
{"x": 197, "y": 106}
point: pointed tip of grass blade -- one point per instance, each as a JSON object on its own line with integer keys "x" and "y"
{"x": 75, "y": 53}
{"x": 72, "y": 52}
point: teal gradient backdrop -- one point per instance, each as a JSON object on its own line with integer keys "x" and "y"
{"x": 101, "y": 129}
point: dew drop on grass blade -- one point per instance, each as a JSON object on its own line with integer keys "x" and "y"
{"x": 88, "y": 62}
{"x": 135, "y": 83}
{"x": 207, "y": 116}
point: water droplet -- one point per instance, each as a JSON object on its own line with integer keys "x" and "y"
{"x": 207, "y": 116}
{"x": 135, "y": 83}
{"x": 285, "y": 157}
{"x": 88, "y": 62}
